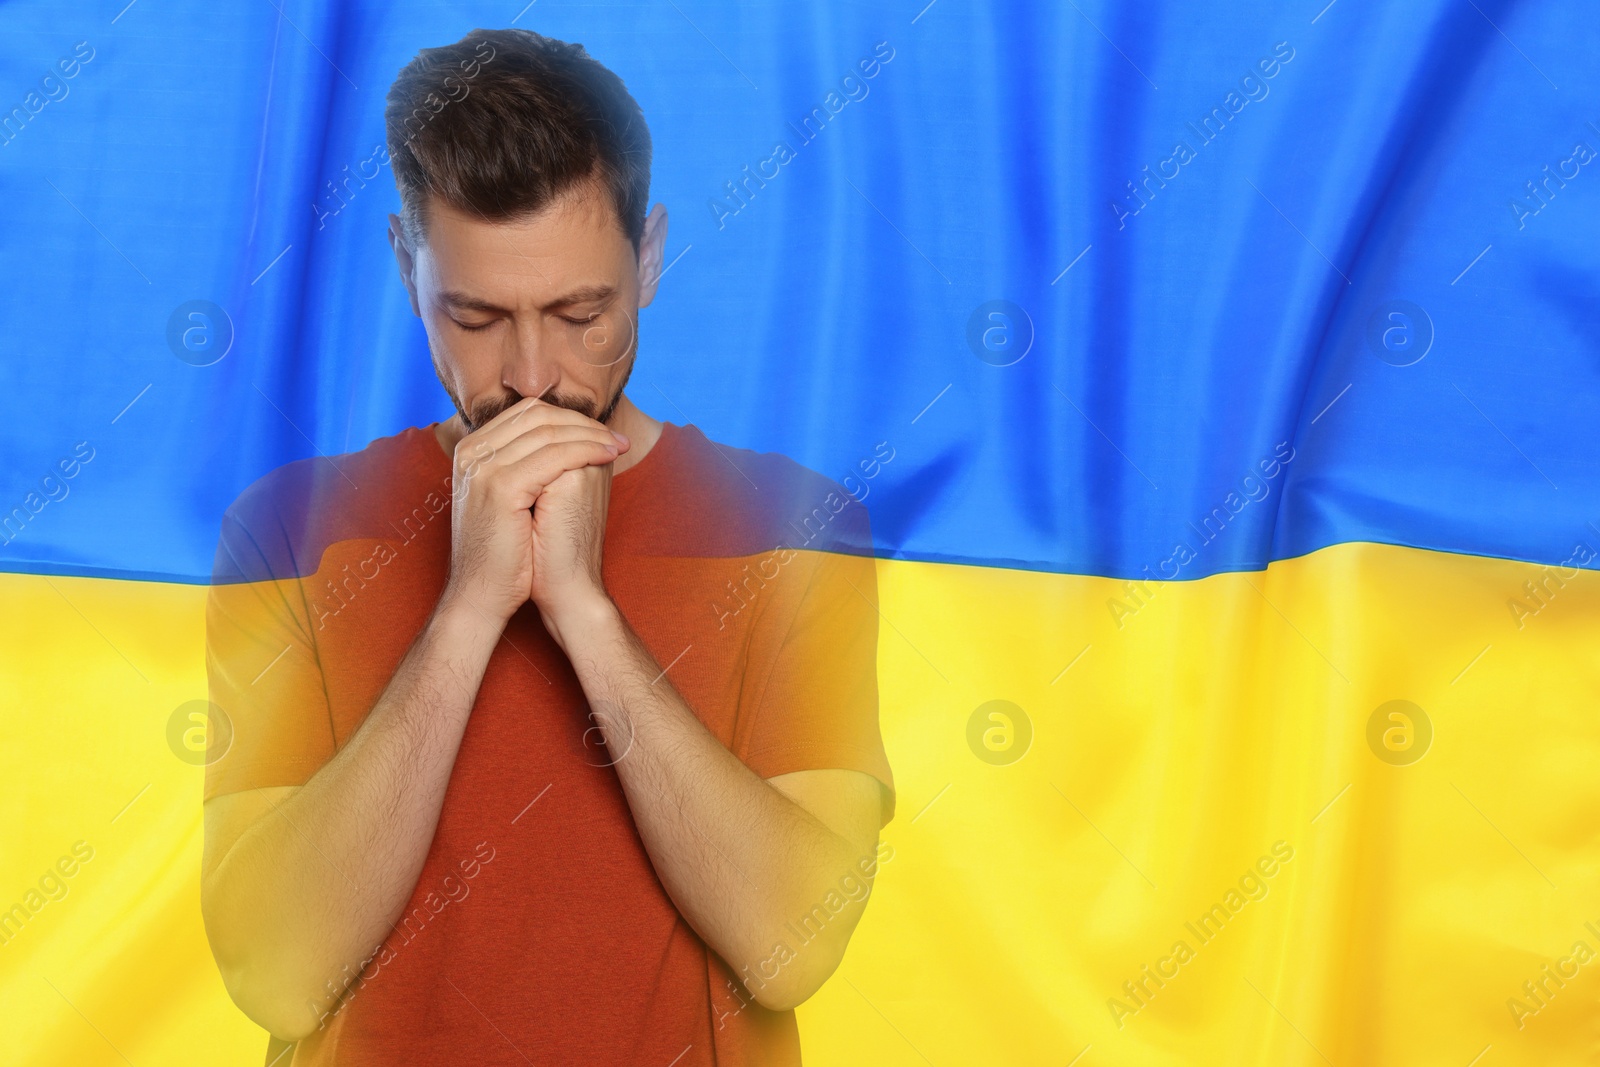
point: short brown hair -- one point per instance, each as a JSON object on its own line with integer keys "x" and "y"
{"x": 504, "y": 121}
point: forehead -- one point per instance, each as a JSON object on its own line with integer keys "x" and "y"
{"x": 575, "y": 238}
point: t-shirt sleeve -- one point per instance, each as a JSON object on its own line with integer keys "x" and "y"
{"x": 812, "y": 677}
{"x": 262, "y": 668}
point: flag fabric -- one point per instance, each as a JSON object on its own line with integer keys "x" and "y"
{"x": 1221, "y": 382}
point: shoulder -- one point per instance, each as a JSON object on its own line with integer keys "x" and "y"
{"x": 279, "y": 525}
{"x": 754, "y": 501}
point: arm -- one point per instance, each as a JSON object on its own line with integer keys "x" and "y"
{"x": 300, "y": 885}
{"x": 742, "y": 857}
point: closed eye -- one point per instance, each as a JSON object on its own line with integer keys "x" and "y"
{"x": 474, "y": 329}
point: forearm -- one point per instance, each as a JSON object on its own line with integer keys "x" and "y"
{"x": 740, "y": 860}
{"x": 315, "y": 884}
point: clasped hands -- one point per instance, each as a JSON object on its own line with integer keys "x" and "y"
{"x": 531, "y": 489}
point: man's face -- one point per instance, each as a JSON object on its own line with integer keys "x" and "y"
{"x": 545, "y": 306}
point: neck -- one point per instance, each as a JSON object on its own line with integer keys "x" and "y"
{"x": 640, "y": 429}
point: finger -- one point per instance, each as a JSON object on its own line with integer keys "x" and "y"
{"x": 529, "y": 477}
{"x": 480, "y": 458}
{"x": 525, "y": 414}
{"x": 522, "y": 418}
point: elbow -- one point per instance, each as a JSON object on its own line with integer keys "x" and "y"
{"x": 789, "y": 976}
{"x": 264, "y": 985}
{"x": 798, "y": 976}
{"x": 785, "y": 998}
{"x": 789, "y": 991}
{"x": 272, "y": 1006}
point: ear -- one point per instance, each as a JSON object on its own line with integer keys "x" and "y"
{"x": 406, "y": 260}
{"x": 652, "y": 246}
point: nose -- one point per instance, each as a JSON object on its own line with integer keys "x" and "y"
{"x": 527, "y": 368}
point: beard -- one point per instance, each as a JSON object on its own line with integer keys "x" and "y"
{"x": 486, "y": 410}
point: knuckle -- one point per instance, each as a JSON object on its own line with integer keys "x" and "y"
{"x": 469, "y": 455}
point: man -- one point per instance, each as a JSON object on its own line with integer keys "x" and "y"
{"x": 555, "y": 726}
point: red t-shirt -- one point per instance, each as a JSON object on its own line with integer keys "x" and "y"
{"x": 538, "y": 931}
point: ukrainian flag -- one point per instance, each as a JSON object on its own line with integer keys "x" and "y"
{"x": 1237, "y": 368}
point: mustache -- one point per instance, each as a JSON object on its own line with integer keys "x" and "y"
{"x": 488, "y": 409}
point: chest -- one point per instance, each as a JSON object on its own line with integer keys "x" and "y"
{"x": 370, "y": 598}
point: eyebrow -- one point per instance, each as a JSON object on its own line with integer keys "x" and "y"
{"x": 581, "y": 295}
